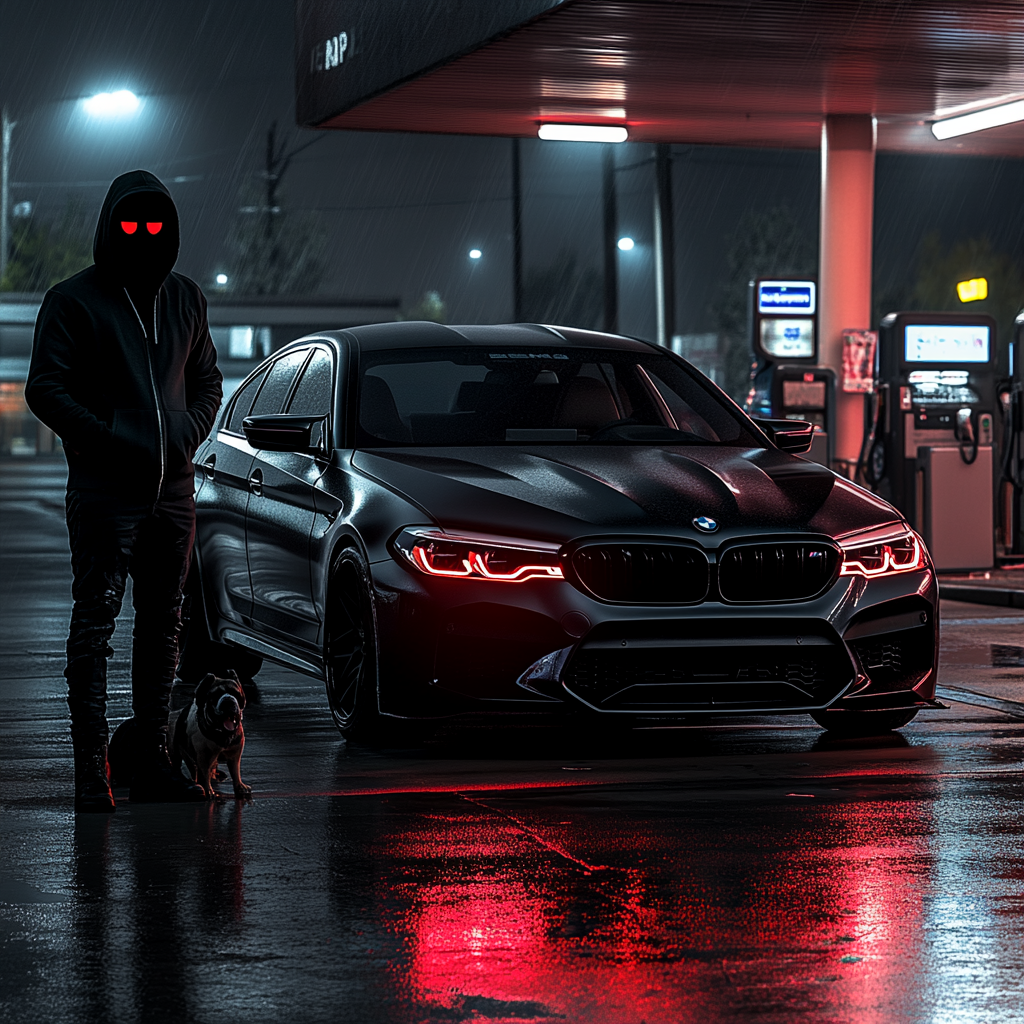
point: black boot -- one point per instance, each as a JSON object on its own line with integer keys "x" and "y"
{"x": 92, "y": 784}
{"x": 156, "y": 780}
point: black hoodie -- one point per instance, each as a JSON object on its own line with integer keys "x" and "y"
{"x": 123, "y": 366}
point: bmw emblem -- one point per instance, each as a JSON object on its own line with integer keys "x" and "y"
{"x": 705, "y": 524}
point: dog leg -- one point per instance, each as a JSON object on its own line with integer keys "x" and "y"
{"x": 233, "y": 757}
{"x": 206, "y": 761}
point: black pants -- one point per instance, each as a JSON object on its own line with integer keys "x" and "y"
{"x": 110, "y": 541}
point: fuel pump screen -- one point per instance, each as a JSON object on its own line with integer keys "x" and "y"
{"x": 800, "y": 394}
{"x": 791, "y": 339}
{"x": 941, "y": 343}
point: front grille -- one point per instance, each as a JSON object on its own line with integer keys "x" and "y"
{"x": 896, "y": 660}
{"x": 784, "y": 571}
{"x": 643, "y": 573}
{"x": 715, "y": 674}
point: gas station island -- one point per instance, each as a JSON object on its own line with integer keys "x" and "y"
{"x": 923, "y": 424}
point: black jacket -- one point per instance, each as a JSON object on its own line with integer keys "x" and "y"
{"x": 131, "y": 391}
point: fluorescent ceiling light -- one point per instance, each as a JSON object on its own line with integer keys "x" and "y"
{"x": 979, "y": 120}
{"x": 583, "y": 133}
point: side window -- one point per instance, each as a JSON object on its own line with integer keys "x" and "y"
{"x": 274, "y": 392}
{"x": 243, "y": 402}
{"x": 313, "y": 395}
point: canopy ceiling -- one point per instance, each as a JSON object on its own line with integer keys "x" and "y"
{"x": 722, "y": 72}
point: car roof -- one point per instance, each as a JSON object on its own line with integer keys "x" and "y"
{"x": 424, "y": 334}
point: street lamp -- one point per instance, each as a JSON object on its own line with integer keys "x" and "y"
{"x": 475, "y": 254}
{"x": 626, "y": 243}
{"x": 122, "y": 103}
{"x": 221, "y": 279}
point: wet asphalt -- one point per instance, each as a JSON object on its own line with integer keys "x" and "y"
{"x": 746, "y": 871}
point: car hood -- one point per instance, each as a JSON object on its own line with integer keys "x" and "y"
{"x": 559, "y": 493}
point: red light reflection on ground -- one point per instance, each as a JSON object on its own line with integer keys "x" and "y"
{"x": 823, "y": 917}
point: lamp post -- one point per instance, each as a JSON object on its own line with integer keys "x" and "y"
{"x": 7, "y": 127}
{"x": 117, "y": 104}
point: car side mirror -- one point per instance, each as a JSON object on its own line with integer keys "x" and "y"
{"x": 793, "y": 436}
{"x": 284, "y": 433}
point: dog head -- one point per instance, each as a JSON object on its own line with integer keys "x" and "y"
{"x": 221, "y": 700}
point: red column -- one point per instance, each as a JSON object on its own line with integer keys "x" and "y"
{"x": 844, "y": 272}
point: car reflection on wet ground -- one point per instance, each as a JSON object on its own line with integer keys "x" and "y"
{"x": 745, "y": 871}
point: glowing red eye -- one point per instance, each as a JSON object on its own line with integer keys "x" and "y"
{"x": 129, "y": 226}
{"x": 154, "y": 226}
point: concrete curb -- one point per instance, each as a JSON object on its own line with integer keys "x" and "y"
{"x": 1002, "y": 597}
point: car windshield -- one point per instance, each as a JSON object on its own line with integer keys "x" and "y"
{"x": 539, "y": 395}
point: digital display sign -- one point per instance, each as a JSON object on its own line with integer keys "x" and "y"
{"x": 946, "y": 343}
{"x": 803, "y": 394}
{"x": 792, "y": 339}
{"x": 786, "y": 297}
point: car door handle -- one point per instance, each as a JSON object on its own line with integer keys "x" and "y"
{"x": 256, "y": 482}
{"x": 208, "y": 466}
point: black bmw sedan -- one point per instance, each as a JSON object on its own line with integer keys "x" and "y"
{"x": 437, "y": 520}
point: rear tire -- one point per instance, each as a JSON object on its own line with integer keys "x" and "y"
{"x": 350, "y": 649}
{"x": 863, "y": 723}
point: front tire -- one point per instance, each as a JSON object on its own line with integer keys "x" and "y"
{"x": 863, "y": 723}
{"x": 350, "y": 649}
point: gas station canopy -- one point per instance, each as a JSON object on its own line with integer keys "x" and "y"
{"x": 718, "y": 72}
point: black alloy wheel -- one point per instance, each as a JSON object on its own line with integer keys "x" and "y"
{"x": 351, "y": 648}
{"x": 863, "y": 723}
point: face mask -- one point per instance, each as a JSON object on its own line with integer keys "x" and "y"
{"x": 143, "y": 239}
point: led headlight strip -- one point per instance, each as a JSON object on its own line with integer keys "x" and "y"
{"x": 462, "y": 556}
{"x": 883, "y": 553}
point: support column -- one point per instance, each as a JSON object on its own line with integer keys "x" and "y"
{"x": 844, "y": 272}
{"x": 517, "y": 234}
{"x": 611, "y": 238}
{"x": 664, "y": 246}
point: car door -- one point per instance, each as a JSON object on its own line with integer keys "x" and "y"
{"x": 281, "y": 511}
{"x": 221, "y": 504}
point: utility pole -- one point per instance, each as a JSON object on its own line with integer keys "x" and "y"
{"x": 611, "y": 224}
{"x": 7, "y": 127}
{"x": 517, "y": 234}
{"x": 664, "y": 246}
{"x": 277, "y": 162}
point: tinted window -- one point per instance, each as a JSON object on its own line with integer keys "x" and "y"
{"x": 313, "y": 395}
{"x": 272, "y": 395}
{"x": 243, "y": 402}
{"x": 475, "y": 396}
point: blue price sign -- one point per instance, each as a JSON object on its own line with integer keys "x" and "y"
{"x": 786, "y": 297}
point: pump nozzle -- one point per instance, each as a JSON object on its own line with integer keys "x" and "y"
{"x": 966, "y": 435}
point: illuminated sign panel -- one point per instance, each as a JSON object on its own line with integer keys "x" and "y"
{"x": 946, "y": 343}
{"x": 792, "y": 339}
{"x": 786, "y": 297}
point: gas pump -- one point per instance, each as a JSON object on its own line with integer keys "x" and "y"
{"x": 1012, "y": 401}
{"x": 787, "y": 384}
{"x": 934, "y": 460}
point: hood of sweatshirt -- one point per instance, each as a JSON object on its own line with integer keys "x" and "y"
{"x": 137, "y": 234}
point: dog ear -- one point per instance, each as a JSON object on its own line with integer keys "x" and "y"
{"x": 205, "y": 686}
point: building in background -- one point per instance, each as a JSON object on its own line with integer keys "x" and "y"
{"x": 245, "y": 331}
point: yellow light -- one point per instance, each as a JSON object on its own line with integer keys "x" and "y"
{"x": 973, "y": 290}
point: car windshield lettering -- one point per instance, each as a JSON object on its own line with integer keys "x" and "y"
{"x": 470, "y": 397}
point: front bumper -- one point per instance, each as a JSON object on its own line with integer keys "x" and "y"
{"x": 454, "y": 645}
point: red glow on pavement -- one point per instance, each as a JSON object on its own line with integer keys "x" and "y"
{"x": 823, "y": 915}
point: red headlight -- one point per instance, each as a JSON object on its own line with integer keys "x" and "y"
{"x": 478, "y": 557}
{"x": 883, "y": 553}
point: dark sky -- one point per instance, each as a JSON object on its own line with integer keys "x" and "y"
{"x": 402, "y": 211}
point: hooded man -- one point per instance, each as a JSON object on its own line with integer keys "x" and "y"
{"x": 124, "y": 371}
